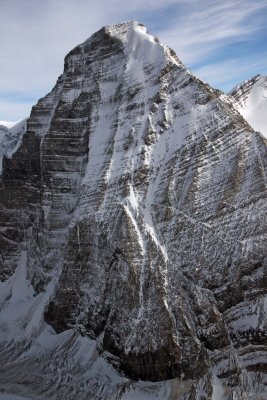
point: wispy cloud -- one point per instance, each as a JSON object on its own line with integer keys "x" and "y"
{"x": 36, "y": 35}
{"x": 207, "y": 27}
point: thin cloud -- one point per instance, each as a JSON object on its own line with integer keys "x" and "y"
{"x": 202, "y": 31}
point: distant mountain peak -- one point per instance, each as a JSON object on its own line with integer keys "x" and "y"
{"x": 250, "y": 98}
{"x": 11, "y": 134}
{"x": 9, "y": 124}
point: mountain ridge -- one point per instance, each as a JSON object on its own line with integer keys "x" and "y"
{"x": 10, "y": 137}
{"x": 250, "y": 99}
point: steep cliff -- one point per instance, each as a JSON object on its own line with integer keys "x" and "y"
{"x": 134, "y": 214}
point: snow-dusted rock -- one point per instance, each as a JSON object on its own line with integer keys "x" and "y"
{"x": 10, "y": 137}
{"x": 134, "y": 214}
{"x": 250, "y": 98}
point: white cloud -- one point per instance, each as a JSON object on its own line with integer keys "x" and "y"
{"x": 38, "y": 34}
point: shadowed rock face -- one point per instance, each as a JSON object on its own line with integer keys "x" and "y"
{"x": 142, "y": 191}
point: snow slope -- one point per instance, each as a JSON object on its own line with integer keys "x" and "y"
{"x": 250, "y": 98}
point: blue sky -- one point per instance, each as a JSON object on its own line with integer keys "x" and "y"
{"x": 222, "y": 42}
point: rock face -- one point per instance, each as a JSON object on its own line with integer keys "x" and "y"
{"x": 136, "y": 207}
{"x": 250, "y": 98}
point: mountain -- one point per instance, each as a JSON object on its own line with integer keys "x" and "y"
{"x": 250, "y": 98}
{"x": 10, "y": 137}
{"x": 9, "y": 124}
{"x": 133, "y": 234}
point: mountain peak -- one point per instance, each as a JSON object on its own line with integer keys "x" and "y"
{"x": 250, "y": 98}
{"x": 134, "y": 32}
{"x": 248, "y": 83}
{"x": 9, "y": 124}
{"x": 133, "y": 38}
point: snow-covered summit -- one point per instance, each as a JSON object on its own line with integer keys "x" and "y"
{"x": 139, "y": 45}
{"x": 250, "y": 98}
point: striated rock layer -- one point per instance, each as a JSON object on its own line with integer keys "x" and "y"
{"x": 136, "y": 207}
